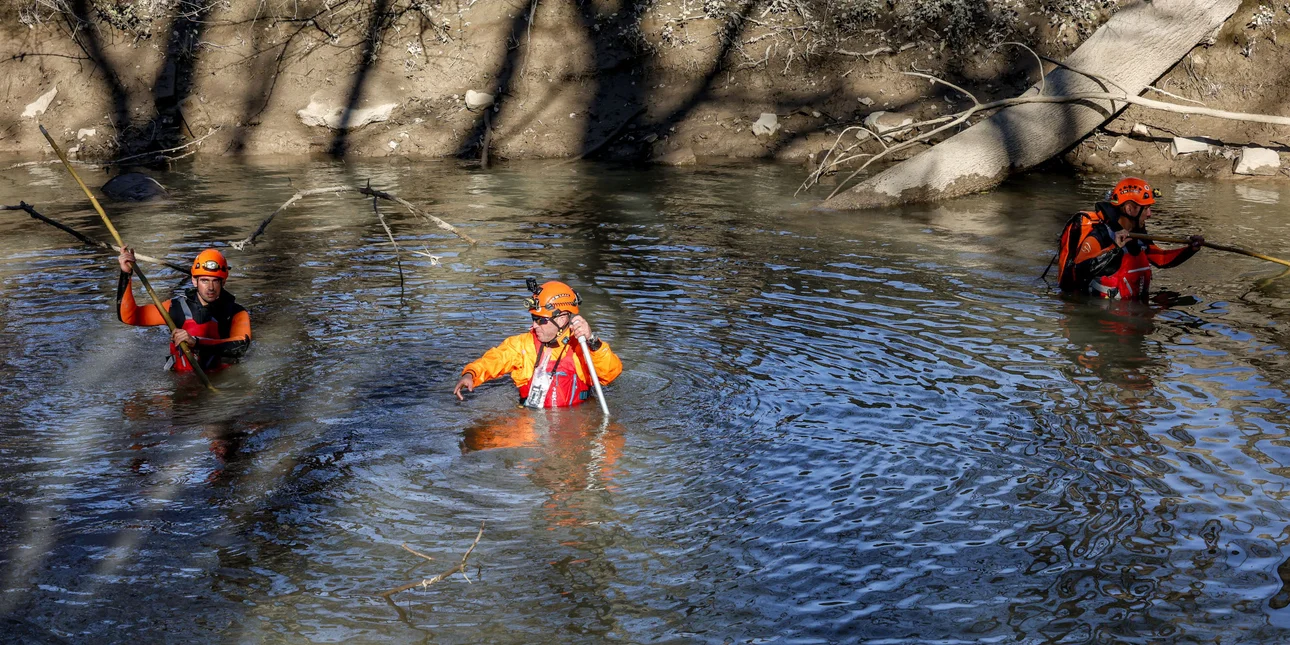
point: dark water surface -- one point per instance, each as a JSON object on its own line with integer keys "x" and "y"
{"x": 869, "y": 427}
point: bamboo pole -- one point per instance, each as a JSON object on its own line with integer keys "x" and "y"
{"x": 1217, "y": 247}
{"x": 165, "y": 313}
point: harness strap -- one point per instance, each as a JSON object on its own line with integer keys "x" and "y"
{"x": 188, "y": 313}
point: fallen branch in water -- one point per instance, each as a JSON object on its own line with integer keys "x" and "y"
{"x": 24, "y": 206}
{"x": 365, "y": 190}
{"x": 398, "y": 255}
{"x": 459, "y": 568}
{"x": 415, "y": 552}
{"x": 368, "y": 190}
{"x": 1216, "y": 247}
{"x": 259, "y": 230}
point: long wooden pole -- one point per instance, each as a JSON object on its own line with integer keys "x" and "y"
{"x": 1217, "y": 247}
{"x": 165, "y": 313}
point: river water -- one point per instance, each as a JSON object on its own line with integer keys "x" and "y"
{"x": 876, "y": 427}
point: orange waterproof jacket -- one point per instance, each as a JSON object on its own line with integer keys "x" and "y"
{"x": 518, "y": 357}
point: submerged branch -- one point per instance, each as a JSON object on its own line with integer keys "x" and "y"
{"x": 372, "y": 192}
{"x": 459, "y": 568}
{"x": 364, "y": 190}
{"x": 24, "y": 206}
{"x": 259, "y": 230}
{"x": 398, "y": 255}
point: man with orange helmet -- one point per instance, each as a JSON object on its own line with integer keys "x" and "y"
{"x": 207, "y": 318}
{"x": 1097, "y": 255}
{"x": 548, "y": 372}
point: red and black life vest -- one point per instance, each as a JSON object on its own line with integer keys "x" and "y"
{"x": 566, "y": 388}
{"x": 1132, "y": 280}
{"x": 209, "y": 322}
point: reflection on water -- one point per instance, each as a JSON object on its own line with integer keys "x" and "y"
{"x": 873, "y": 427}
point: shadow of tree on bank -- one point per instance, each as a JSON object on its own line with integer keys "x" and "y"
{"x": 378, "y": 23}
{"x": 175, "y": 78}
{"x": 84, "y": 33}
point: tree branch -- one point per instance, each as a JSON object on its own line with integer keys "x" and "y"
{"x": 24, "y": 206}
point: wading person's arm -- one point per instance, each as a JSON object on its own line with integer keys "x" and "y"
{"x": 498, "y": 361}
{"x": 127, "y": 310}
{"x": 1173, "y": 257}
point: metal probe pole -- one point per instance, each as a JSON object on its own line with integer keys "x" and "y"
{"x": 595, "y": 380}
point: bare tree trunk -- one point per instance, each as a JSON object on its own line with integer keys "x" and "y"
{"x": 1134, "y": 48}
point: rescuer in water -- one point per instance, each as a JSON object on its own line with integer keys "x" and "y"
{"x": 544, "y": 362}
{"x": 207, "y": 318}
{"x": 1098, "y": 257}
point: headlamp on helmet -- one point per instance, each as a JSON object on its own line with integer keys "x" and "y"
{"x": 210, "y": 263}
{"x": 551, "y": 297}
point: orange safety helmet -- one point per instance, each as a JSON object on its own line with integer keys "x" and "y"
{"x": 210, "y": 262}
{"x": 551, "y": 297}
{"x": 1132, "y": 189}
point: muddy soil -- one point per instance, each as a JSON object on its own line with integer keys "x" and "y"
{"x": 672, "y": 80}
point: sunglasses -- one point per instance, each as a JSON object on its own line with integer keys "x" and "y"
{"x": 211, "y": 265}
{"x": 542, "y": 320}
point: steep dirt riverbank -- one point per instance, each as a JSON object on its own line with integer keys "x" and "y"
{"x": 674, "y": 80}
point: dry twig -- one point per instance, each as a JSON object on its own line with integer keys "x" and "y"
{"x": 155, "y": 155}
{"x": 372, "y": 192}
{"x": 415, "y": 552}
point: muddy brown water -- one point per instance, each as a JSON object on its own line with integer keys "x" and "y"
{"x": 873, "y": 427}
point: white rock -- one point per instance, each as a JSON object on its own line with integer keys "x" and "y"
{"x": 766, "y": 125}
{"x": 1141, "y": 130}
{"x": 318, "y": 113}
{"x": 1125, "y": 164}
{"x": 882, "y": 122}
{"x": 1258, "y": 161}
{"x": 1183, "y": 146}
{"x": 85, "y": 133}
{"x": 1122, "y": 146}
{"x": 478, "y": 100}
{"x": 38, "y": 107}
{"x": 393, "y": 145}
{"x": 866, "y": 101}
